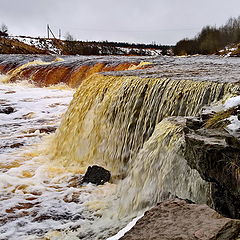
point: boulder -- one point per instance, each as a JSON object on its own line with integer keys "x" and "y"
{"x": 7, "y": 110}
{"x": 180, "y": 220}
{"x": 96, "y": 175}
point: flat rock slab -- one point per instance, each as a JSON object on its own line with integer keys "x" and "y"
{"x": 179, "y": 220}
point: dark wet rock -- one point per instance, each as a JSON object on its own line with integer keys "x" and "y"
{"x": 16, "y": 145}
{"x": 194, "y": 123}
{"x": 215, "y": 154}
{"x": 96, "y": 175}
{"x": 179, "y": 220}
{"x": 10, "y": 92}
{"x": 48, "y": 129}
{"x": 7, "y": 110}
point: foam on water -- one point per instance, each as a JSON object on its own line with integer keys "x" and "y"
{"x": 35, "y": 195}
{"x": 113, "y": 121}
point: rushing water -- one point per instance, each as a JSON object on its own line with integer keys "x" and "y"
{"x": 116, "y": 120}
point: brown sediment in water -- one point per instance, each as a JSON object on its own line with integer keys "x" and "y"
{"x": 119, "y": 122}
{"x": 72, "y": 73}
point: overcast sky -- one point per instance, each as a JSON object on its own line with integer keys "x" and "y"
{"x": 143, "y": 21}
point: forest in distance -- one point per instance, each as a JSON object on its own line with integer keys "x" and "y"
{"x": 211, "y": 39}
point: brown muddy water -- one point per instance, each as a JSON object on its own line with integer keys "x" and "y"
{"x": 114, "y": 117}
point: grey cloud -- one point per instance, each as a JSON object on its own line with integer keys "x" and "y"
{"x": 162, "y": 21}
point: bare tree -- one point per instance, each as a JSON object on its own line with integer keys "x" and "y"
{"x": 68, "y": 37}
{"x": 3, "y": 30}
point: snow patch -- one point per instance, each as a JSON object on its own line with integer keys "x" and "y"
{"x": 232, "y": 102}
{"x": 43, "y": 44}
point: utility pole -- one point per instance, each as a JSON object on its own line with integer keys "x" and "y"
{"x": 49, "y": 31}
{"x": 59, "y": 34}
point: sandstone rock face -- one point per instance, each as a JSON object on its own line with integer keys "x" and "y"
{"x": 180, "y": 220}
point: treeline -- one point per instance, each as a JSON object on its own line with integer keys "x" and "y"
{"x": 211, "y": 39}
{"x": 106, "y": 48}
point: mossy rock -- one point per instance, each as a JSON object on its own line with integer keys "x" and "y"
{"x": 219, "y": 119}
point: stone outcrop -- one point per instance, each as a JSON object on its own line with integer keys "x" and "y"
{"x": 215, "y": 154}
{"x": 7, "y": 110}
{"x": 180, "y": 220}
{"x": 96, "y": 175}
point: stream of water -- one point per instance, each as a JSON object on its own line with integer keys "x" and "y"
{"x": 116, "y": 120}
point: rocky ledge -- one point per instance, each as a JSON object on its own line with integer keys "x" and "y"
{"x": 211, "y": 148}
{"x": 180, "y": 220}
{"x": 215, "y": 154}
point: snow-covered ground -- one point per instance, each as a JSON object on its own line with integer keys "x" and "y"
{"x": 44, "y": 44}
{"x": 234, "y": 126}
{"x": 234, "y": 119}
{"x": 48, "y": 44}
{"x": 147, "y": 52}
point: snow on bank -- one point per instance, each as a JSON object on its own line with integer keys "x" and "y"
{"x": 145, "y": 51}
{"x": 232, "y": 102}
{"x": 234, "y": 126}
{"x": 43, "y": 44}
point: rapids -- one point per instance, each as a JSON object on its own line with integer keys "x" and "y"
{"x": 116, "y": 119}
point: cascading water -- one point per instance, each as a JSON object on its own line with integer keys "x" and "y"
{"x": 46, "y": 71}
{"x": 117, "y": 122}
{"x": 111, "y": 117}
{"x": 160, "y": 172}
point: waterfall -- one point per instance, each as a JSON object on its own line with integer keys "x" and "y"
{"x": 117, "y": 122}
{"x": 130, "y": 123}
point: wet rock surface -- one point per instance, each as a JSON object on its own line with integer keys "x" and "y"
{"x": 96, "y": 175}
{"x": 180, "y": 220}
{"x": 7, "y": 110}
{"x": 215, "y": 154}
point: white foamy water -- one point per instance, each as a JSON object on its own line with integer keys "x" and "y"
{"x": 36, "y": 111}
{"x": 36, "y": 196}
